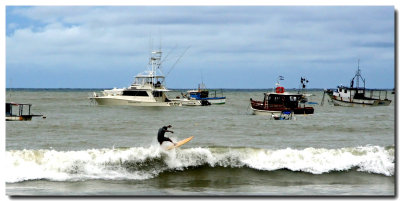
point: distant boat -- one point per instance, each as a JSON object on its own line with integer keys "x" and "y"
{"x": 147, "y": 89}
{"x": 277, "y": 101}
{"x": 200, "y": 97}
{"x": 19, "y": 112}
{"x": 285, "y": 115}
{"x": 203, "y": 94}
{"x": 356, "y": 96}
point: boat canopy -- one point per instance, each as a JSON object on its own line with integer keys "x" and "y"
{"x": 148, "y": 79}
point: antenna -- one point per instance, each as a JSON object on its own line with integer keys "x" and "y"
{"x": 358, "y": 73}
{"x": 150, "y": 46}
{"x": 201, "y": 73}
{"x": 159, "y": 33}
{"x": 10, "y": 89}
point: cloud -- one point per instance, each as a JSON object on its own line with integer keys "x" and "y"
{"x": 231, "y": 40}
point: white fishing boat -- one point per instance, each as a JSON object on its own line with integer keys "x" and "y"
{"x": 147, "y": 89}
{"x": 357, "y": 96}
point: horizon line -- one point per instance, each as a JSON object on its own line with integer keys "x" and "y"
{"x": 102, "y": 88}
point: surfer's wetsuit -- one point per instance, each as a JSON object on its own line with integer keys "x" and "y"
{"x": 161, "y": 132}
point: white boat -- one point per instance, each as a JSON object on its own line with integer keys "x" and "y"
{"x": 147, "y": 89}
{"x": 187, "y": 102}
{"x": 357, "y": 96}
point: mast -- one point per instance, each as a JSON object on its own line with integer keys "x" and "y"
{"x": 358, "y": 76}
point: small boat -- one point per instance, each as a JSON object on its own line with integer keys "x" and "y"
{"x": 200, "y": 97}
{"x": 357, "y": 96}
{"x": 190, "y": 102}
{"x": 279, "y": 100}
{"x": 203, "y": 94}
{"x": 16, "y": 112}
{"x": 147, "y": 89}
{"x": 285, "y": 115}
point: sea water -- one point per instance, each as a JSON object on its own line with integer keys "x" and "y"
{"x": 81, "y": 148}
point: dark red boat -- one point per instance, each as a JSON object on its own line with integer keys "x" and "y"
{"x": 278, "y": 101}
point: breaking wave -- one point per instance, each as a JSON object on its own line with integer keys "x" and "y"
{"x": 140, "y": 163}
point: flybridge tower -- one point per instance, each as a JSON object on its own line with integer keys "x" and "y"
{"x": 155, "y": 63}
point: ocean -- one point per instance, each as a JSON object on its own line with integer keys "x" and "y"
{"x": 82, "y": 149}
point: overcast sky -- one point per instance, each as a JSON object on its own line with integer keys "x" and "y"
{"x": 227, "y": 46}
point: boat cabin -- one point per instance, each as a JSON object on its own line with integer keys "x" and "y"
{"x": 145, "y": 93}
{"x": 19, "y": 112}
{"x": 198, "y": 94}
{"x": 279, "y": 100}
{"x": 350, "y": 93}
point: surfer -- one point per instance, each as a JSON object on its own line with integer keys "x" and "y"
{"x": 161, "y": 132}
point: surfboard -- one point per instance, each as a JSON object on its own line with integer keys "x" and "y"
{"x": 180, "y": 143}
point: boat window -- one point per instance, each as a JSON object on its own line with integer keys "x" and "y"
{"x": 157, "y": 93}
{"x": 345, "y": 91}
{"x": 340, "y": 90}
{"x": 135, "y": 93}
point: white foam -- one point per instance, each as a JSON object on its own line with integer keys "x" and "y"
{"x": 371, "y": 159}
{"x": 75, "y": 165}
{"x": 54, "y": 165}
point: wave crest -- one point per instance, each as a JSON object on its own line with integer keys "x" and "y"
{"x": 140, "y": 163}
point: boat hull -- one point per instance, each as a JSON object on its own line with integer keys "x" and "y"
{"x": 200, "y": 102}
{"x": 131, "y": 102}
{"x": 19, "y": 118}
{"x": 296, "y": 111}
{"x": 361, "y": 103}
{"x": 216, "y": 101}
{"x": 265, "y": 112}
{"x": 187, "y": 102}
{"x": 259, "y": 108}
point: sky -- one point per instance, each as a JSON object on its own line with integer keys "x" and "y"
{"x": 244, "y": 47}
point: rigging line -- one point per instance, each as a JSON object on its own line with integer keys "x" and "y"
{"x": 177, "y": 60}
{"x": 165, "y": 58}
